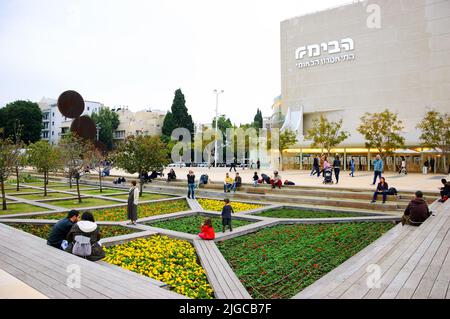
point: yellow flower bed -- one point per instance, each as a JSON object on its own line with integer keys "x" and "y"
{"x": 171, "y": 261}
{"x": 217, "y": 205}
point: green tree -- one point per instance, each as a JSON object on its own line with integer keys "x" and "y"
{"x": 73, "y": 150}
{"x": 223, "y": 123}
{"x": 45, "y": 158}
{"x": 382, "y": 131}
{"x": 8, "y": 161}
{"x": 168, "y": 127}
{"x": 287, "y": 139}
{"x": 95, "y": 159}
{"x": 180, "y": 113}
{"x": 325, "y": 134}
{"x": 108, "y": 121}
{"x": 435, "y": 129}
{"x": 25, "y": 114}
{"x": 140, "y": 154}
{"x": 258, "y": 120}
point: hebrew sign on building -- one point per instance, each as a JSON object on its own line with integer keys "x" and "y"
{"x": 325, "y": 53}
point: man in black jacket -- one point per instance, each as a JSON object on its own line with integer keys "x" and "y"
{"x": 61, "y": 229}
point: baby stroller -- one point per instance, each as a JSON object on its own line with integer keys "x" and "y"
{"x": 328, "y": 176}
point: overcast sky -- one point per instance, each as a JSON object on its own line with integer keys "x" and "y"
{"x": 137, "y": 53}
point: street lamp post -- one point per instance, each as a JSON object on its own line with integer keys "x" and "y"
{"x": 216, "y": 92}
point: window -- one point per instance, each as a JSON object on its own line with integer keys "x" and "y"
{"x": 88, "y": 108}
{"x": 53, "y": 123}
{"x": 53, "y": 114}
{"x": 53, "y": 133}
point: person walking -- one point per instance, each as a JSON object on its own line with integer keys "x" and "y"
{"x": 337, "y": 168}
{"x": 132, "y": 208}
{"x": 233, "y": 164}
{"x": 191, "y": 184}
{"x": 352, "y": 167}
{"x": 258, "y": 164}
{"x": 315, "y": 169}
{"x": 377, "y": 168}
{"x": 403, "y": 167}
{"x": 321, "y": 165}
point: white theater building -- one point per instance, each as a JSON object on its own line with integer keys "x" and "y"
{"x": 364, "y": 57}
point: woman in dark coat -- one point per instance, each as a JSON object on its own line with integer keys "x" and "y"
{"x": 132, "y": 209}
{"x": 86, "y": 230}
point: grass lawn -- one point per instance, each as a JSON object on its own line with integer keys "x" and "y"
{"x": 120, "y": 213}
{"x": 86, "y": 202}
{"x": 192, "y": 224}
{"x": 66, "y": 188}
{"x": 106, "y": 191}
{"x": 21, "y": 208}
{"x": 300, "y": 213}
{"x": 279, "y": 262}
{"x": 41, "y": 196}
{"x": 50, "y": 184}
{"x": 14, "y": 192}
{"x": 43, "y": 231}
{"x": 145, "y": 196}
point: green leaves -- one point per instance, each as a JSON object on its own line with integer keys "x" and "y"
{"x": 325, "y": 134}
{"x": 108, "y": 121}
{"x": 382, "y": 131}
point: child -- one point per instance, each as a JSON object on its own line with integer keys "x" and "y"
{"x": 255, "y": 179}
{"x": 207, "y": 232}
{"x": 227, "y": 210}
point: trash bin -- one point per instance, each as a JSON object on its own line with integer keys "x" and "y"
{"x": 425, "y": 170}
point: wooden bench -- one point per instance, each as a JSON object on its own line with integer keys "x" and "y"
{"x": 414, "y": 262}
{"x": 45, "y": 269}
{"x": 225, "y": 283}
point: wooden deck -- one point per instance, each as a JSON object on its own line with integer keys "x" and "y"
{"x": 407, "y": 263}
{"x": 44, "y": 268}
{"x": 225, "y": 283}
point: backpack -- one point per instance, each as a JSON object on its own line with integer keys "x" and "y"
{"x": 392, "y": 191}
{"x": 204, "y": 179}
{"x": 289, "y": 183}
{"x": 82, "y": 246}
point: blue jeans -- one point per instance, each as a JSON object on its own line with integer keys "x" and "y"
{"x": 191, "y": 188}
{"x": 227, "y": 187}
{"x": 352, "y": 171}
{"x": 375, "y": 176}
{"x": 384, "y": 193}
{"x": 336, "y": 174}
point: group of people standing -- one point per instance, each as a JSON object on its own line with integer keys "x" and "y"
{"x": 321, "y": 164}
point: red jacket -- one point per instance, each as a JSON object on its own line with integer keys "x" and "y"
{"x": 207, "y": 233}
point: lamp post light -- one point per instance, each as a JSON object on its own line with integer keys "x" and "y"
{"x": 216, "y": 92}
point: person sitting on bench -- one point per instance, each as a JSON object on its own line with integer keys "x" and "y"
{"x": 228, "y": 183}
{"x": 237, "y": 182}
{"x": 417, "y": 211}
{"x": 445, "y": 191}
{"x": 382, "y": 189}
{"x": 171, "y": 176}
{"x": 276, "y": 181}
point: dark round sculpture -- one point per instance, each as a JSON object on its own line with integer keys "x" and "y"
{"x": 84, "y": 127}
{"x": 71, "y": 104}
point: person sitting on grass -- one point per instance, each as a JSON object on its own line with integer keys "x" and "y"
{"x": 227, "y": 210}
{"x": 382, "y": 189}
{"x": 276, "y": 181}
{"x": 84, "y": 239}
{"x": 417, "y": 211}
{"x": 207, "y": 232}
{"x": 228, "y": 183}
{"x": 255, "y": 179}
{"x": 445, "y": 191}
{"x": 171, "y": 176}
{"x": 61, "y": 229}
{"x": 237, "y": 182}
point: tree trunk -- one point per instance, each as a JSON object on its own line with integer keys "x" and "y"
{"x": 17, "y": 178}
{"x": 141, "y": 186}
{"x": 3, "y": 194}
{"x": 45, "y": 183}
{"x": 100, "y": 180}
{"x": 78, "y": 190}
{"x": 70, "y": 180}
